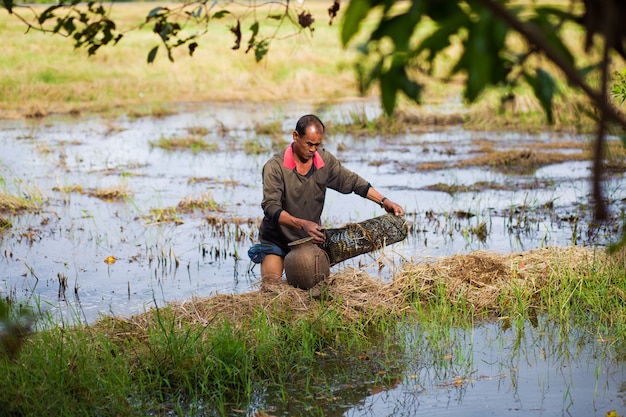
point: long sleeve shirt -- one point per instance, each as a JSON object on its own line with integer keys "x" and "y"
{"x": 301, "y": 196}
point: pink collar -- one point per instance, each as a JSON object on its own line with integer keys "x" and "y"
{"x": 290, "y": 163}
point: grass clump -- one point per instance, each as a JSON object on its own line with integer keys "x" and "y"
{"x": 163, "y": 215}
{"x": 67, "y": 189}
{"x": 189, "y": 204}
{"x": 255, "y": 147}
{"x": 198, "y": 130}
{"x": 13, "y": 204}
{"x": 522, "y": 162}
{"x": 204, "y": 202}
{"x": 359, "y": 124}
{"x": 278, "y": 141}
{"x": 65, "y": 375}
{"x": 191, "y": 143}
{"x": 273, "y": 128}
{"x": 112, "y": 193}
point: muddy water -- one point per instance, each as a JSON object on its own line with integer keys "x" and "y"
{"x": 59, "y": 161}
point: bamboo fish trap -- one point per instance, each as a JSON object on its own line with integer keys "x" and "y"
{"x": 356, "y": 239}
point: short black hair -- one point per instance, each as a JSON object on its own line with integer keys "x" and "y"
{"x": 305, "y": 121}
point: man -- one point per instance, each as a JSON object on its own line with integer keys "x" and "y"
{"x": 294, "y": 190}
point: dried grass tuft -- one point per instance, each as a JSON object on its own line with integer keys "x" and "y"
{"x": 521, "y": 161}
{"x": 113, "y": 193}
{"x": 12, "y": 204}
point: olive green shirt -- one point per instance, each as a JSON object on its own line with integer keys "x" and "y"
{"x": 301, "y": 196}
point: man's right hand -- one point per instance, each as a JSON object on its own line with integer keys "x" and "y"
{"x": 314, "y": 230}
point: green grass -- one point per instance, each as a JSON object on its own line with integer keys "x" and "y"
{"x": 191, "y": 143}
{"x": 121, "y": 369}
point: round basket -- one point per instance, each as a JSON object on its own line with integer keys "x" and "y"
{"x": 306, "y": 264}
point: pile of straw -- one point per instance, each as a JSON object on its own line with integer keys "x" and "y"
{"x": 478, "y": 279}
{"x": 481, "y": 277}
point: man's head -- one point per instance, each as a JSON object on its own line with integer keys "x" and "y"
{"x": 305, "y": 121}
{"x": 308, "y": 136}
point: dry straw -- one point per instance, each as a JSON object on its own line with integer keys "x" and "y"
{"x": 479, "y": 279}
{"x": 11, "y": 204}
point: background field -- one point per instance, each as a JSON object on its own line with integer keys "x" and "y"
{"x": 41, "y": 74}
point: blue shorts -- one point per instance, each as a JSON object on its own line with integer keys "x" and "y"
{"x": 257, "y": 252}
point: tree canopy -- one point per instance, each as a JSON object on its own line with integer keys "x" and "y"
{"x": 394, "y": 49}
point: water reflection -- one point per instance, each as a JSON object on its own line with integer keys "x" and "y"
{"x": 490, "y": 369}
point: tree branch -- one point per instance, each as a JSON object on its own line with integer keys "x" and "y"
{"x": 534, "y": 36}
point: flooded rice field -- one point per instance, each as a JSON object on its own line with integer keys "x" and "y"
{"x": 124, "y": 217}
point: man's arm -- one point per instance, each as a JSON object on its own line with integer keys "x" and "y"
{"x": 388, "y": 205}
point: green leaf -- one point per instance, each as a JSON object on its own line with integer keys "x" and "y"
{"x": 544, "y": 88}
{"x": 442, "y": 10}
{"x": 252, "y": 42}
{"x": 220, "y": 14}
{"x": 388, "y": 92}
{"x": 198, "y": 12}
{"x": 69, "y": 26}
{"x": 47, "y": 14}
{"x": 261, "y": 49}
{"x": 436, "y": 42}
{"x": 8, "y": 4}
{"x": 398, "y": 28}
{"x": 477, "y": 65}
{"x": 254, "y": 28}
{"x": 355, "y": 13}
{"x": 155, "y": 12}
{"x": 411, "y": 89}
{"x": 92, "y": 49}
{"x": 543, "y": 22}
{"x": 374, "y": 74}
{"x": 481, "y": 58}
{"x": 58, "y": 26}
{"x": 152, "y": 54}
{"x": 395, "y": 80}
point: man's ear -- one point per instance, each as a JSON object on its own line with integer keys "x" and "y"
{"x": 295, "y": 135}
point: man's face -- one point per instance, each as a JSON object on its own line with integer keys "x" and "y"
{"x": 305, "y": 146}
